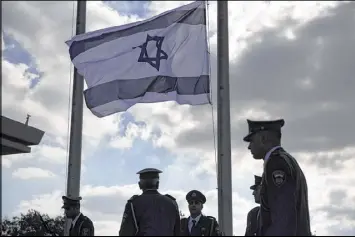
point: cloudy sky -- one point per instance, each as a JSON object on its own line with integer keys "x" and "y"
{"x": 293, "y": 60}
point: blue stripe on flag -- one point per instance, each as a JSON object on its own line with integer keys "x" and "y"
{"x": 131, "y": 89}
{"x": 194, "y": 16}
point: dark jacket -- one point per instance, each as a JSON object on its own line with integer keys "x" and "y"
{"x": 252, "y": 222}
{"x": 284, "y": 197}
{"x": 206, "y": 226}
{"x": 83, "y": 227}
{"x": 151, "y": 214}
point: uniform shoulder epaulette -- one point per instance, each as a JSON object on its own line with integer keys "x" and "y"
{"x": 132, "y": 198}
{"x": 277, "y": 152}
{"x": 87, "y": 219}
{"x": 281, "y": 154}
{"x": 169, "y": 196}
{"x": 211, "y": 217}
{"x": 285, "y": 158}
{"x": 173, "y": 199}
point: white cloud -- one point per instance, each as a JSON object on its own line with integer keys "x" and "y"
{"x": 49, "y": 105}
{"x": 9, "y": 160}
{"x": 5, "y": 164}
{"x": 52, "y": 154}
{"x": 285, "y": 57}
{"x": 133, "y": 132}
{"x": 32, "y": 173}
{"x": 45, "y": 203}
{"x": 48, "y": 152}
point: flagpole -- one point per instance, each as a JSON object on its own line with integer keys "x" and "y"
{"x": 225, "y": 213}
{"x": 74, "y": 163}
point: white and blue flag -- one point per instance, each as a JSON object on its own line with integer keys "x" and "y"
{"x": 164, "y": 58}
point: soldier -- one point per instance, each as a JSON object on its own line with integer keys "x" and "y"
{"x": 150, "y": 213}
{"x": 253, "y": 215}
{"x": 198, "y": 224}
{"x": 80, "y": 224}
{"x": 284, "y": 195}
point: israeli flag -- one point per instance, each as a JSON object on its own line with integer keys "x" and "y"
{"x": 164, "y": 58}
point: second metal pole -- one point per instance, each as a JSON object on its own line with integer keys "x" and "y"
{"x": 76, "y": 125}
{"x": 225, "y": 212}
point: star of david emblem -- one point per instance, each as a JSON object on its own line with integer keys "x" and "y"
{"x": 160, "y": 54}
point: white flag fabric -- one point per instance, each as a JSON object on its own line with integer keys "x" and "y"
{"x": 164, "y": 58}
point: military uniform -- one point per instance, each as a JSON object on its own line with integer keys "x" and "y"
{"x": 205, "y": 226}
{"x": 284, "y": 196}
{"x": 253, "y": 215}
{"x": 252, "y": 222}
{"x": 81, "y": 225}
{"x": 150, "y": 213}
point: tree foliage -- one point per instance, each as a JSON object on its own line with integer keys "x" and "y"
{"x": 32, "y": 224}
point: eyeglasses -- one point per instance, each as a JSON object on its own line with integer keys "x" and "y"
{"x": 193, "y": 202}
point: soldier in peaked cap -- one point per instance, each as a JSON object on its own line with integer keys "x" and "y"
{"x": 253, "y": 215}
{"x": 198, "y": 224}
{"x": 80, "y": 225}
{"x": 150, "y": 213}
{"x": 284, "y": 196}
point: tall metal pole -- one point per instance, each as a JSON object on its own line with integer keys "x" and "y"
{"x": 74, "y": 164}
{"x": 225, "y": 213}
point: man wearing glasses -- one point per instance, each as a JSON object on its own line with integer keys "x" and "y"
{"x": 198, "y": 224}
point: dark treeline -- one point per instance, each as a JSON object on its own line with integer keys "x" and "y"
{"x": 32, "y": 224}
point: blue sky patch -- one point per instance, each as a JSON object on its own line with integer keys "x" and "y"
{"x": 21, "y": 190}
{"x": 138, "y": 8}
{"x": 117, "y": 167}
{"x": 16, "y": 54}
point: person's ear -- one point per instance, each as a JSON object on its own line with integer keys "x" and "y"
{"x": 263, "y": 138}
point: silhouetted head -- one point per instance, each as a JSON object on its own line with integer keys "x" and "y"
{"x": 263, "y": 136}
{"x": 149, "y": 179}
{"x": 256, "y": 188}
{"x": 195, "y": 199}
{"x": 71, "y": 206}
